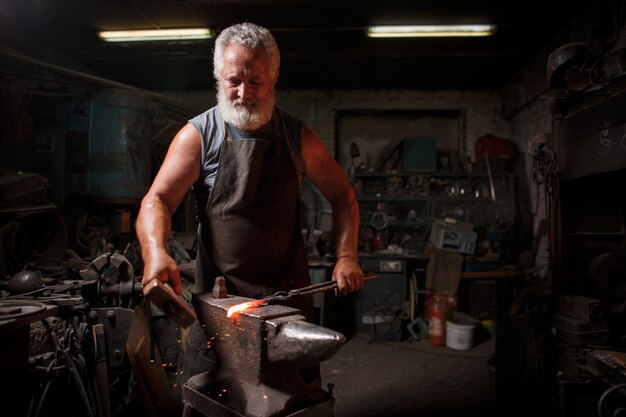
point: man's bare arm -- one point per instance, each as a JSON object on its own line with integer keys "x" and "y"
{"x": 326, "y": 174}
{"x": 180, "y": 169}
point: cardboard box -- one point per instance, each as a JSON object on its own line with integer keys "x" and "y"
{"x": 453, "y": 235}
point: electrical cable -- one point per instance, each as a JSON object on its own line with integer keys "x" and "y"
{"x": 379, "y": 220}
{"x": 553, "y": 215}
{"x": 544, "y": 174}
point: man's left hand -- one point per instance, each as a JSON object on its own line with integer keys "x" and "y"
{"x": 348, "y": 275}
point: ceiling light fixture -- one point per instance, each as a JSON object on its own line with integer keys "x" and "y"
{"x": 427, "y": 31}
{"x": 156, "y": 35}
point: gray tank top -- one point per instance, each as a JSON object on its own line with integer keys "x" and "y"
{"x": 212, "y": 131}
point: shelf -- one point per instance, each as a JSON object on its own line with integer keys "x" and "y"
{"x": 427, "y": 196}
{"x": 616, "y": 235}
{"x": 399, "y": 223}
{"x": 382, "y": 198}
{"x": 368, "y": 174}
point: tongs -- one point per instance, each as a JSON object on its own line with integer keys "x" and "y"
{"x": 309, "y": 290}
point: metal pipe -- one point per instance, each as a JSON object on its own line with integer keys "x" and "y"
{"x": 492, "y": 187}
{"x": 172, "y": 106}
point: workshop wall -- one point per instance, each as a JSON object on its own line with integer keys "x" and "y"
{"x": 481, "y": 111}
{"x": 526, "y": 99}
{"x": 318, "y": 108}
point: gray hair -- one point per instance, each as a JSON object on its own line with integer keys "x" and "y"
{"x": 251, "y": 36}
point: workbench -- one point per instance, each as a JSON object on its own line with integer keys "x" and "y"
{"x": 486, "y": 295}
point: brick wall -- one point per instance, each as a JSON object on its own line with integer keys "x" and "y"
{"x": 318, "y": 108}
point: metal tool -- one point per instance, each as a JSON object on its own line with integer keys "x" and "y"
{"x": 309, "y": 290}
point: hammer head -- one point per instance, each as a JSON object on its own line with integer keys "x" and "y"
{"x": 164, "y": 297}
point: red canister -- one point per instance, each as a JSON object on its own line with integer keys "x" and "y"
{"x": 436, "y": 310}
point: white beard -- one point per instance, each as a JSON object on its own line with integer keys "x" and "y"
{"x": 248, "y": 117}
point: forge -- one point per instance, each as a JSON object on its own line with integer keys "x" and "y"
{"x": 267, "y": 362}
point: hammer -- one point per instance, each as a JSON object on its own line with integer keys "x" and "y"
{"x": 164, "y": 297}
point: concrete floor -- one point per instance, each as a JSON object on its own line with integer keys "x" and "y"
{"x": 411, "y": 378}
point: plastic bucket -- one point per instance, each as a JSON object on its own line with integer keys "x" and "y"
{"x": 460, "y": 332}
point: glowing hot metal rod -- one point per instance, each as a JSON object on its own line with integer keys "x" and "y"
{"x": 288, "y": 295}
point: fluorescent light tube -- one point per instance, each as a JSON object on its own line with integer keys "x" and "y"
{"x": 430, "y": 31}
{"x": 155, "y": 35}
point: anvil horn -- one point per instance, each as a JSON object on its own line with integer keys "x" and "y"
{"x": 300, "y": 342}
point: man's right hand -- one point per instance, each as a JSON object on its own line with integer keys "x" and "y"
{"x": 163, "y": 267}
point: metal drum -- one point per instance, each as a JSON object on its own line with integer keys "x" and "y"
{"x": 119, "y": 145}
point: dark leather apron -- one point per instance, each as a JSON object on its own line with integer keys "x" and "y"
{"x": 251, "y": 232}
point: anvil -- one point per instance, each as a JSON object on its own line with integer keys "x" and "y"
{"x": 262, "y": 357}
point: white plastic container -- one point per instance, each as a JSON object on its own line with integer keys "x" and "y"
{"x": 460, "y": 331}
